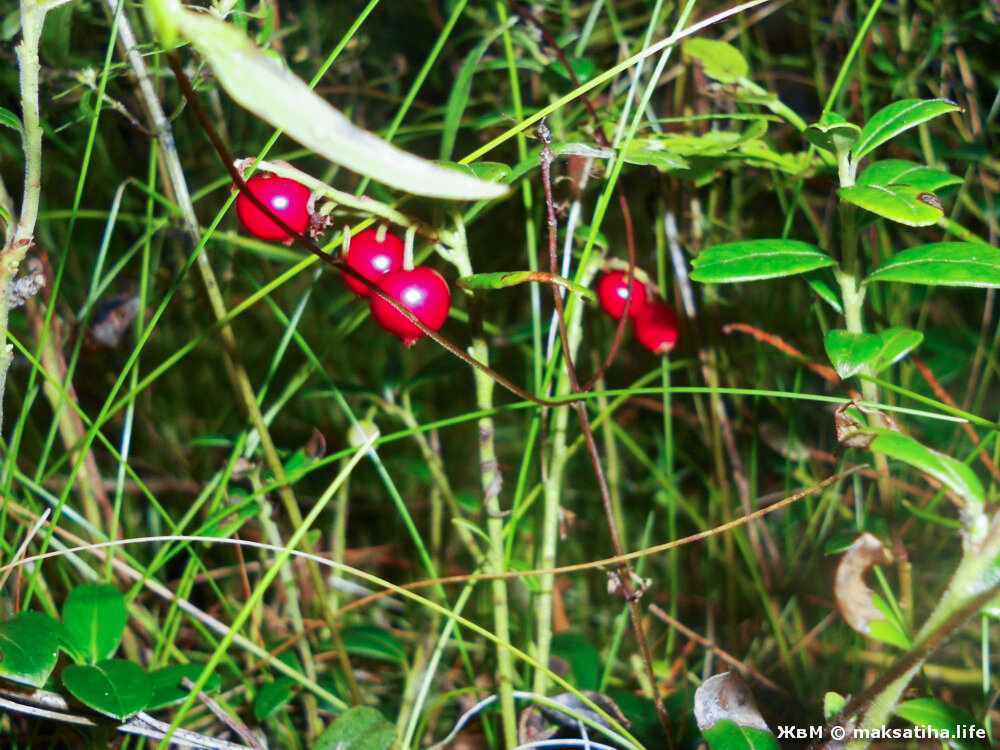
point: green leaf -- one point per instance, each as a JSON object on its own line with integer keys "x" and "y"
{"x": 650, "y": 154}
{"x": 851, "y": 352}
{"x": 373, "y": 642}
{"x": 114, "y": 687}
{"x": 901, "y": 203}
{"x": 583, "y": 68}
{"x": 892, "y": 120}
{"x": 896, "y": 344}
{"x": 168, "y": 687}
{"x": 833, "y": 703}
{"x": 461, "y": 88}
{"x": 504, "y": 279}
{"x": 273, "y": 695}
{"x": 944, "y": 717}
{"x": 953, "y": 474}
{"x": 245, "y": 71}
{"x": 889, "y": 630}
{"x": 358, "y": 728}
{"x": 95, "y": 615}
{"x": 726, "y": 734}
{"x": 946, "y": 263}
{"x": 28, "y": 650}
{"x": 903, "y": 172}
{"x": 583, "y": 659}
{"x": 721, "y": 61}
{"x": 833, "y": 133}
{"x": 66, "y": 640}
{"x": 757, "y": 259}
{"x": 10, "y": 120}
{"x": 821, "y": 282}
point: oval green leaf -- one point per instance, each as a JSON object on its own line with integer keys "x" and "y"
{"x": 850, "y": 352}
{"x": 721, "y": 61}
{"x": 95, "y": 616}
{"x": 757, "y": 259}
{"x": 168, "y": 687}
{"x": 358, "y": 728}
{"x": 923, "y": 712}
{"x": 67, "y": 642}
{"x": 833, "y": 133}
{"x": 728, "y": 735}
{"x": 901, "y": 203}
{"x": 114, "y": 687}
{"x": 953, "y": 474}
{"x": 904, "y": 172}
{"x": 273, "y": 93}
{"x": 892, "y": 120}
{"x": 373, "y": 642}
{"x": 946, "y": 263}
{"x": 504, "y": 279}
{"x": 896, "y": 344}
{"x": 28, "y": 650}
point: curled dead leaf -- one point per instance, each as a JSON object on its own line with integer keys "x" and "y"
{"x": 854, "y": 598}
{"x": 726, "y": 696}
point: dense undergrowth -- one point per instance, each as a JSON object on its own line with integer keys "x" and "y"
{"x": 175, "y": 377}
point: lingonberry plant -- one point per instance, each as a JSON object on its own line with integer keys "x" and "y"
{"x": 252, "y": 517}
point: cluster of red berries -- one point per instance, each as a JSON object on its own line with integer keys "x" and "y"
{"x": 655, "y": 321}
{"x": 421, "y": 290}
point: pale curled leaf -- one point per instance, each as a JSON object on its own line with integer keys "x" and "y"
{"x": 726, "y": 696}
{"x": 276, "y": 95}
{"x": 854, "y": 598}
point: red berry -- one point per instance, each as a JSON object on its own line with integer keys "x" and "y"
{"x": 286, "y": 198}
{"x": 656, "y": 327}
{"x": 422, "y": 291}
{"x": 371, "y": 258}
{"x": 612, "y": 291}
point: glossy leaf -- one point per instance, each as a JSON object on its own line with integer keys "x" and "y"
{"x": 114, "y": 687}
{"x": 67, "y": 642}
{"x": 95, "y": 615}
{"x": 504, "y": 279}
{"x": 924, "y": 712}
{"x": 28, "y": 650}
{"x": 833, "y": 133}
{"x": 850, "y": 352}
{"x": 896, "y": 344}
{"x": 168, "y": 685}
{"x": 757, "y": 259}
{"x": 721, "y": 61}
{"x": 892, "y": 120}
{"x": 358, "y": 728}
{"x": 9, "y": 119}
{"x": 245, "y": 71}
{"x": 945, "y": 263}
{"x": 900, "y": 203}
{"x": 955, "y": 475}
{"x": 728, "y": 735}
{"x": 373, "y": 642}
{"x": 273, "y": 695}
{"x": 903, "y": 172}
